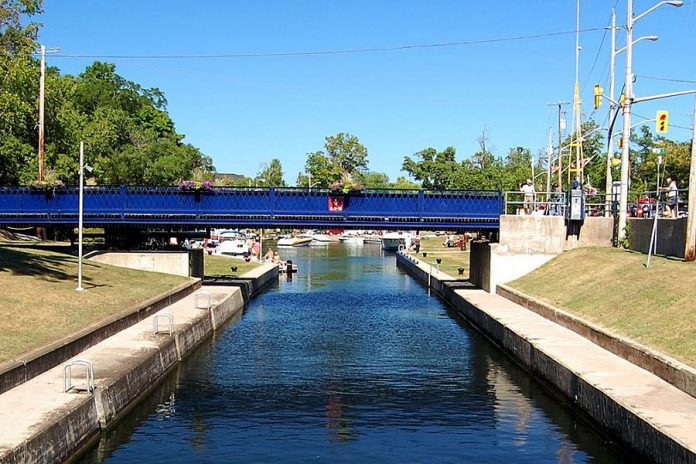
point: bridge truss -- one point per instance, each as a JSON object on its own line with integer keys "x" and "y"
{"x": 141, "y": 207}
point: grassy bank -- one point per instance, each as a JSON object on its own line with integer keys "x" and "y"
{"x": 613, "y": 289}
{"x": 40, "y": 305}
{"x": 221, "y": 266}
{"x": 452, "y": 258}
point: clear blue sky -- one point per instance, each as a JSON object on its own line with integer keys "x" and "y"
{"x": 245, "y": 111}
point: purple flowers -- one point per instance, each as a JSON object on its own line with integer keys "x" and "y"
{"x": 195, "y": 186}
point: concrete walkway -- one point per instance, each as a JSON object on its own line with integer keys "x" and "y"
{"x": 38, "y": 421}
{"x": 632, "y": 402}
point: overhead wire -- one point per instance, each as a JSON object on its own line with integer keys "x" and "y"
{"x": 686, "y": 81}
{"x": 331, "y": 52}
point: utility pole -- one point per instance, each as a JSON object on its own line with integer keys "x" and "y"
{"x": 612, "y": 107}
{"x": 42, "y": 85}
{"x": 549, "y": 155}
{"x": 690, "y": 251}
{"x": 629, "y": 99}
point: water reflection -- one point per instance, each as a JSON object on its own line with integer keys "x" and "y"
{"x": 351, "y": 360}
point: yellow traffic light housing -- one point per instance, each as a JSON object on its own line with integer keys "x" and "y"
{"x": 598, "y": 91}
{"x": 662, "y": 121}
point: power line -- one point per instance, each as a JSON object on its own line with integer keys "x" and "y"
{"x": 335, "y": 52}
{"x": 666, "y": 79}
{"x": 594, "y": 63}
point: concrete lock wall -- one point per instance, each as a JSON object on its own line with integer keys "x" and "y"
{"x": 548, "y": 234}
{"x": 493, "y": 263}
{"x": 671, "y": 236}
{"x": 176, "y": 263}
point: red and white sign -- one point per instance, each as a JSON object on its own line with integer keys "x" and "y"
{"x": 335, "y": 204}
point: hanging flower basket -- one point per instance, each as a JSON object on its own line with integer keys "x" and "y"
{"x": 48, "y": 187}
{"x": 195, "y": 186}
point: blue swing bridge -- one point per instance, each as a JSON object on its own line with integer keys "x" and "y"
{"x": 147, "y": 207}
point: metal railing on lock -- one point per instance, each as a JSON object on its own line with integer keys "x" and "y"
{"x": 89, "y": 376}
{"x": 551, "y": 203}
{"x": 646, "y": 204}
{"x": 538, "y": 204}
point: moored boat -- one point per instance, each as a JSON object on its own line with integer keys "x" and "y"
{"x": 300, "y": 240}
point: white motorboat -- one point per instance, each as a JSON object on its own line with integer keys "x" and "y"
{"x": 323, "y": 238}
{"x": 234, "y": 247}
{"x": 394, "y": 241}
{"x": 300, "y": 240}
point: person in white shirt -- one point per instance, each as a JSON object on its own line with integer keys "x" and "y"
{"x": 672, "y": 198}
{"x": 529, "y": 194}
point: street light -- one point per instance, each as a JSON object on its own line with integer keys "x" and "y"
{"x": 83, "y": 167}
{"x": 651, "y": 38}
{"x": 628, "y": 92}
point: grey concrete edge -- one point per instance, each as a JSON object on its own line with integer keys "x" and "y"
{"x": 24, "y": 368}
{"x": 635, "y": 431}
{"x": 668, "y": 369}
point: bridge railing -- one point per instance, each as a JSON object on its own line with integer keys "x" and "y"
{"x": 129, "y": 204}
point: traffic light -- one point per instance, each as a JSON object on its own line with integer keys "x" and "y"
{"x": 662, "y": 121}
{"x": 620, "y": 142}
{"x": 598, "y": 91}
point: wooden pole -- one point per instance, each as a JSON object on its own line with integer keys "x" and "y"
{"x": 690, "y": 250}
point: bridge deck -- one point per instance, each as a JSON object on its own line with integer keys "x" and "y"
{"x": 246, "y": 207}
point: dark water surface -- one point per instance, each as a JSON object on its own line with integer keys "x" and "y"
{"x": 350, "y": 361}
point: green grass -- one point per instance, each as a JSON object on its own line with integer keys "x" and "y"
{"x": 613, "y": 289}
{"x": 452, "y": 258}
{"x": 39, "y": 303}
{"x": 220, "y": 266}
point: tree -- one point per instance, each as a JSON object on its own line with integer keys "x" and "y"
{"x": 322, "y": 170}
{"x": 375, "y": 180}
{"x": 271, "y": 174}
{"x": 403, "y": 183}
{"x": 16, "y": 36}
{"x": 346, "y": 151}
{"x": 436, "y": 170}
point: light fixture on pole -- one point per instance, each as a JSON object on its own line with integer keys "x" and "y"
{"x": 80, "y": 213}
{"x": 628, "y": 100}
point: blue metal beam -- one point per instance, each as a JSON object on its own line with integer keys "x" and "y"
{"x": 269, "y": 207}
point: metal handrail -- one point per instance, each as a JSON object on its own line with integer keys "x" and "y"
{"x": 163, "y": 315}
{"x": 67, "y": 376}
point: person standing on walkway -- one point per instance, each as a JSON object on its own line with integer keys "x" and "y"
{"x": 672, "y": 198}
{"x": 529, "y": 194}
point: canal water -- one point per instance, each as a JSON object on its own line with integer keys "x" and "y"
{"x": 350, "y": 360}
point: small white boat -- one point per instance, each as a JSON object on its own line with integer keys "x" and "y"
{"x": 232, "y": 248}
{"x": 323, "y": 238}
{"x": 300, "y": 240}
{"x": 394, "y": 241}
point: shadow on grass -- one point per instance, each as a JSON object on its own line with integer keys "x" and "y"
{"x": 24, "y": 261}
